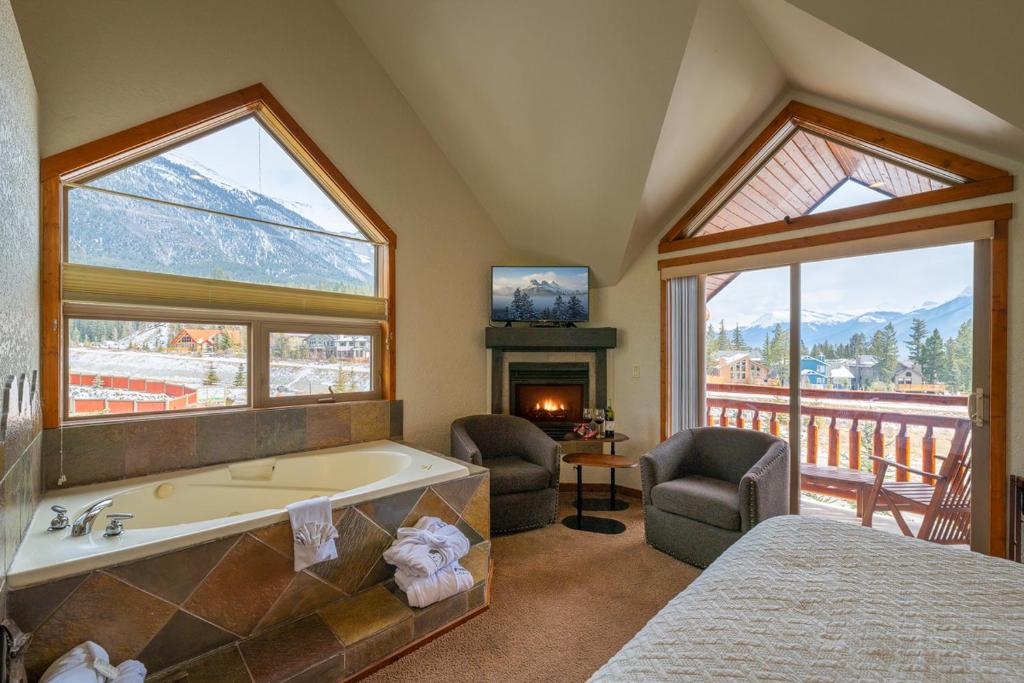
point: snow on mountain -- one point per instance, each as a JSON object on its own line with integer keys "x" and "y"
{"x": 545, "y": 288}
{"x": 541, "y": 289}
{"x": 117, "y": 231}
{"x": 837, "y": 328}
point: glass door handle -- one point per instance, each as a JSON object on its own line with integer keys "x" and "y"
{"x": 976, "y": 407}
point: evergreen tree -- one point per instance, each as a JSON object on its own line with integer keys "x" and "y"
{"x": 710, "y": 347}
{"x": 517, "y": 304}
{"x": 884, "y": 347}
{"x": 962, "y": 357}
{"x": 933, "y": 357}
{"x": 526, "y": 306}
{"x": 559, "y": 311}
{"x": 915, "y": 343}
{"x": 239, "y": 380}
{"x": 574, "y": 309}
{"x": 723, "y": 337}
{"x": 858, "y": 345}
{"x": 211, "y": 377}
{"x": 737, "y": 339}
{"x": 345, "y": 379}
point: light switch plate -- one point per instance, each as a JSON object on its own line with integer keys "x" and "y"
{"x": 636, "y": 372}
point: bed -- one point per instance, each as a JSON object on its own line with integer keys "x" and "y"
{"x": 805, "y": 599}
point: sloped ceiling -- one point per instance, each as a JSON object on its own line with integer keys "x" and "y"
{"x": 819, "y": 58}
{"x": 972, "y": 48}
{"x": 550, "y": 111}
{"x": 583, "y": 127}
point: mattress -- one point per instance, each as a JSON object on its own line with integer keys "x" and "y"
{"x": 805, "y": 599}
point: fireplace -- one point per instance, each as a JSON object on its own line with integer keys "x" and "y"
{"x": 551, "y": 395}
{"x": 549, "y": 402}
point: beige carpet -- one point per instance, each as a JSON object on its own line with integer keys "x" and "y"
{"x": 563, "y": 602}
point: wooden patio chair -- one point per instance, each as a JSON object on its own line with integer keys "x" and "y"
{"x": 946, "y": 504}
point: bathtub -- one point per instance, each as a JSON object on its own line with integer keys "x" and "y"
{"x": 179, "y": 509}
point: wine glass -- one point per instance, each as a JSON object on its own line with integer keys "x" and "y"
{"x": 599, "y": 421}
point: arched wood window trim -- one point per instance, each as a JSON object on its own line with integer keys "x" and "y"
{"x": 979, "y": 179}
{"x": 148, "y": 138}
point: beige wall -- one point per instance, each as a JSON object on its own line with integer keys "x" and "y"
{"x": 632, "y": 305}
{"x": 19, "y": 284}
{"x": 101, "y": 67}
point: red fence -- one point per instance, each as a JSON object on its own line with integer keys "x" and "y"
{"x": 180, "y": 396}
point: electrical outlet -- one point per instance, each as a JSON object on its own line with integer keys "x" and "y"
{"x": 636, "y": 372}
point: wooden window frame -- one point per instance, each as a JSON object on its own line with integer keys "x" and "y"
{"x": 261, "y": 351}
{"x": 979, "y": 179}
{"x": 149, "y": 138}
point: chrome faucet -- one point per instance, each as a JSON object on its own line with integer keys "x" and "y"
{"x": 83, "y": 523}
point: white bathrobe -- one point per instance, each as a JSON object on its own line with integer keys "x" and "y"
{"x": 427, "y": 547}
{"x": 444, "y": 583}
{"x": 89, "y": 663}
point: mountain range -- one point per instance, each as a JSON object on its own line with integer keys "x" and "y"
{"x": 113, "y": 230}
{"x": 837, "y": 328}
{"x": 541, "y": 288}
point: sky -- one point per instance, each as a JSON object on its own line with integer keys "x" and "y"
{"x": 898, "y": 281}
{"x": 507, "y": 278}
{"x": 245, "y": 155}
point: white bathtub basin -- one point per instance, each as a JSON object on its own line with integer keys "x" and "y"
{"x": 179, "y": 509}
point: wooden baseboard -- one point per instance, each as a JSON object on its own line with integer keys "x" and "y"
{"x": 598, "y": 487}
{"x": 417, "y": 644}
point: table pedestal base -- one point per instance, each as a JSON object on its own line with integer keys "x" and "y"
{"x": 597, "y": 525}
{"x": 602, "y": 505}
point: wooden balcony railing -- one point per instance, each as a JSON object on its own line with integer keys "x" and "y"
{"x": 764, "y": 415}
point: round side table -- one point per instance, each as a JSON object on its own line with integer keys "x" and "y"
{"x": 579, "y": 521}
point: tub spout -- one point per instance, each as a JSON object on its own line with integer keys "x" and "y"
{"x": 83, "y": 523}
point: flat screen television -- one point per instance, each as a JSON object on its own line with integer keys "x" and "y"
{"x": 540, "y": 294}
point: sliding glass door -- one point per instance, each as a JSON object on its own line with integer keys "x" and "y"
{"x": 881, "y": 381}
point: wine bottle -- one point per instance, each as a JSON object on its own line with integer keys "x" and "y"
{"x": 609, "y": 422}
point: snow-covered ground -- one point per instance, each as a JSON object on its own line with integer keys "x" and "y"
{"x": 286, "y": 377}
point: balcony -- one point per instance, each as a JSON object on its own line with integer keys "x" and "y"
{"x": 840, "y": 431}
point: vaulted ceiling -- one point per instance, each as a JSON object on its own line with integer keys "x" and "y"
{"x": 583, "y": 127}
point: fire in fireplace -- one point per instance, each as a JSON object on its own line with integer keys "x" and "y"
{"x": 549, "y": 402}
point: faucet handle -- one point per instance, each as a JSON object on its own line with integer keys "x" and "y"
{"x": 61, "y": 520}
{"x": 115, "y": 527}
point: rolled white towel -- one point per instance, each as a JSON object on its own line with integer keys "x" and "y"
{"x": 423, "y": 551}
{"x": 426, "y": 590}
{"x": 89, "y": 663}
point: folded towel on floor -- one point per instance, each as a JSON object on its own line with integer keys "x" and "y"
{"x": 89, "y": 663}
{"x": 444, "y": 583}
{"x": 427, "y": 547}
{"x": 313, "y": 531}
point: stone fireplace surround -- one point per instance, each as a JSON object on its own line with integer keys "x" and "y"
{"x": 526, "y": 352}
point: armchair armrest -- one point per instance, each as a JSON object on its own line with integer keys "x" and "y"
{"x": 666, "y": 461}
{"x": 463, "y": 447}
{"x": 764, "y": 489}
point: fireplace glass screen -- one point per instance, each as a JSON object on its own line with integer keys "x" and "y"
{"x": 550, "y": 402}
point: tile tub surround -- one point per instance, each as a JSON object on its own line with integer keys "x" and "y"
{"x": 21, "y": 458}
{"x": 236, "y": 601}
{"x": 107, "y": 451}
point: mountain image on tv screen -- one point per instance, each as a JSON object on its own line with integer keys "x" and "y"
{"x": 526, "y": 294}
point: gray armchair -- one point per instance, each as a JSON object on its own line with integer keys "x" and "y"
{"x": 704, "y": 488}
{"x": 523, "y": 461}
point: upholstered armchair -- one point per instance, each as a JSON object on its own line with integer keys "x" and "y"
{"x": 523, "y": 461}
{"x": 704, "y": 488}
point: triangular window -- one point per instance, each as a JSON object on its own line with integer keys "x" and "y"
{"x": 810, "y": 161}
{"x": 233, "y": 204}
{"x": 805, "y": 173}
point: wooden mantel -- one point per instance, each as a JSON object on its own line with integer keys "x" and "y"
{"x": 551, "y": 338}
